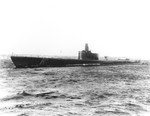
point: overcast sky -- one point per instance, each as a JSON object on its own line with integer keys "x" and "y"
{"x": 62, "y": 27}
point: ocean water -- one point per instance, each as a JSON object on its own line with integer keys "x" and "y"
{"x": 120, "y": 90}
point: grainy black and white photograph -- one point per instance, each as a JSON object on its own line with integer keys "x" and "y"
{"x": 74, "y": 58}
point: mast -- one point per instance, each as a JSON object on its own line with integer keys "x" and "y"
{"x": 86, "y": 47}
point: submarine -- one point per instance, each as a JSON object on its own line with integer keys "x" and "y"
{"x": 85, "y": 58}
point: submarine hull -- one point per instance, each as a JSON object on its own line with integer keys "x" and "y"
{"x": 32, "y": 62}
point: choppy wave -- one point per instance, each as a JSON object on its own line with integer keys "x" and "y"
{"x": 76, "y": 91}
{"x": 6, "y": 63}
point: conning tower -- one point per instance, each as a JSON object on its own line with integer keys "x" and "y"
{"x": 87, "y": 54}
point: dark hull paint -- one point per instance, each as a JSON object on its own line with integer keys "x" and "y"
{"x": 31, "y": 62}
